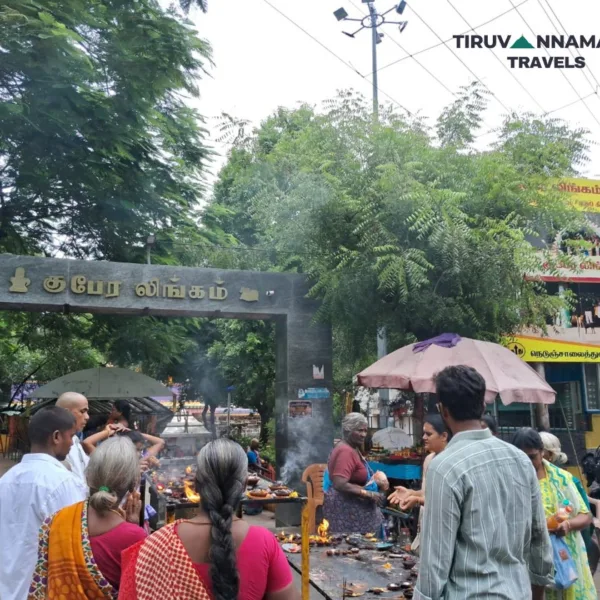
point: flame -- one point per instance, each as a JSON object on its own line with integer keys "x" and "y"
{"x": 323, "y": 528}
{"x": 321, "y": 537}
{"x": 189, "y": 470}
{"x": 160, "y": 487}
{"x": 190, "y": 493}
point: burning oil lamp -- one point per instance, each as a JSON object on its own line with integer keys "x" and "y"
{"x": 190, "y": 493}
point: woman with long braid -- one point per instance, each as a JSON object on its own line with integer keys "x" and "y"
{"x": 214, "y": 556}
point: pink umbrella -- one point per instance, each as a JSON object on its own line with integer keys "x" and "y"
{"x": 414, "y": 367}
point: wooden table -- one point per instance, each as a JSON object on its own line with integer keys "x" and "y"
{"x": 328, "y": 573}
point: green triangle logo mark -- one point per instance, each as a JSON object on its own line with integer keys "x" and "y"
{"x": 522, "y": 43}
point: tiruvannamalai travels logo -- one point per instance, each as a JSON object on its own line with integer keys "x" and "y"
{"x": 540, "y": 42}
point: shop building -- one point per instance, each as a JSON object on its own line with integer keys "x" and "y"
{"x": 568, "y": 354}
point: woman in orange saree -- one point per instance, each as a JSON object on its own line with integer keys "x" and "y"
{"x": 66, "y": 567}
{"x": 79, "y": 553}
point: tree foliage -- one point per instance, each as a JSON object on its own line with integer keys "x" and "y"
{"x": 245, "y": 357}
{"x": 42, "y": 347}
{"x": 97, "y": 145}
{"x": 399, "y": 228}
{"x": 99, "y": 148}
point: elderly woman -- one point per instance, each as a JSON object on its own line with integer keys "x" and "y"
{"x": 215, "y": 555}
{"x": 553, "y": 453}
{"x": 80, "y": 546}
{"x": 556, "y": 486}
{"x": 352, "y": 500}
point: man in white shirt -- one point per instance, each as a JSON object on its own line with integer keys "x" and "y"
{"x": 30, "y": 492}
{"x": 77, "y": 405}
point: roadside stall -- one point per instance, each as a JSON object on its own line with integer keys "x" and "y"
{"x": 102, "y": 386}
{"x": 414, "y": 368}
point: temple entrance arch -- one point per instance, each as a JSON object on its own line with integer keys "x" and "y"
{"x": 303, "y": 406}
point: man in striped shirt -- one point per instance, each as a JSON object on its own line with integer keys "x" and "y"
{"x": 484, "y": 533}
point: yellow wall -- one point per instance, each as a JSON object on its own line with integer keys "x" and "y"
{"x": 592, "y": 438}
{"x": 576, "y": 471}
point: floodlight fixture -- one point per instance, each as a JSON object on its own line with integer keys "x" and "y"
{"x": 340, "y": 14}
{"x": 350, "y": 35}
{"x": 400, "y": 8}
{"x": 402, "y": 26}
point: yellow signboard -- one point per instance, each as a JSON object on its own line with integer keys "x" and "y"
{"x": 583, "y": 193}
{"x": 535, "y": 349}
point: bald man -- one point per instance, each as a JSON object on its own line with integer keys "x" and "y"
{"x": 77, "y": 405}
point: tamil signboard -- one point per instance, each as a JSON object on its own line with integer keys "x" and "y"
{"x": 584, "y": 194}
{"x": 585, "y": 270}
{"x": 551, "y": 349}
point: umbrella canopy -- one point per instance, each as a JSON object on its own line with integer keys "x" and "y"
{"x": 105, "y": 383}
{"x": 392, "y": 438}
{"x": 414, "y": 367}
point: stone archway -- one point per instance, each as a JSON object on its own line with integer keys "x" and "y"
{"x": 304, "y": 427}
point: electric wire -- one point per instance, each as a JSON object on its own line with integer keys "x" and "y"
{"x": 460, "y": 59}
{"x": 413, "y": 57}
{"x": 559, "y": 108}
{"x": 582, "y": 71}
{"x": 337, "y": 56}
{"x": 444, "y": 42}
{"x": 560, "y": 70}
{"x": 509, "y": 71}
{"x": 566, "y": 33}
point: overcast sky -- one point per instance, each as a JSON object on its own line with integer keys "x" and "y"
{"x": 262, "y": 60}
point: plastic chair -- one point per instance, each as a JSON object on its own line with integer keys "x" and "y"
{"x": 313, "y": 478}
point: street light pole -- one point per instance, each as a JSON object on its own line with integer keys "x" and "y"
{"x": 375, "y": 39}
{"x": 373, "y": 21}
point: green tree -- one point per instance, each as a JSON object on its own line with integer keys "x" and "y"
{"x": 398, "y": 228}
{"x": 42, "y": 347}
{"x": 245, "y": 357}
{"x": 98, "y": 147}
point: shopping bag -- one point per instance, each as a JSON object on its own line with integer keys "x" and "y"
{"x": 565, "y": 571}
{"x": 327, "y": 485}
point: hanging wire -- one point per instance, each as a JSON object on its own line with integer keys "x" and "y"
{"x": 460, "y": 59}
{"x": 337, "y": 56}
{"x": 560, "y": 70}
{"x": 392, "y": 39}
{"x": 572, "y": 103}
{"x": 594, "y": 87}
{"x": 509, "y": 71}
{"x": 443, "y": 42}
